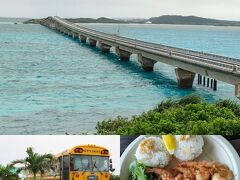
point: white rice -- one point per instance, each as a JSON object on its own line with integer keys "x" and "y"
{"x": 189, "y": 149}
{"x": 152, "y": 152}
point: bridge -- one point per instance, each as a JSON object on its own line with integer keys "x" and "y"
{"x": 208, "y": 67}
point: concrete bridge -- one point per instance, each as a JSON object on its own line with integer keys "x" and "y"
{"x": 208, "y": 67}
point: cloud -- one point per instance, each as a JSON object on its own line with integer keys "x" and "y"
{"x": 220, "y": 9}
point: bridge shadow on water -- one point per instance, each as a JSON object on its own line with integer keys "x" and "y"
{"x": 167, "y": 85}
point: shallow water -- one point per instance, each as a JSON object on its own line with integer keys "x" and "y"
{"x": 51, "y": 84}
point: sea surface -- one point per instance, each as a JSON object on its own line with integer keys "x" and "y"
{"x": 52, "y": 84}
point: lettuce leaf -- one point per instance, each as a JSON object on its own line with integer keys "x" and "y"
{"x": 137, "y": 172}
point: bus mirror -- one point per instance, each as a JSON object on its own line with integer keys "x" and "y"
{"x": 111, "y": 167}
{"x": 110, "y": 160}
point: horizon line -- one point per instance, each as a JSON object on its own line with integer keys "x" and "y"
{"x": 117, "y": 18}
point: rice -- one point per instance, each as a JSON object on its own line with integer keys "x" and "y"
{"x": 152, "y": 152}
{"x": 188, "y": 148}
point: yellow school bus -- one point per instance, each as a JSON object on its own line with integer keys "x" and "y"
{"x": 85, "y": 162}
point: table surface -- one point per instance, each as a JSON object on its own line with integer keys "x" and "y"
{"x": 234, "y": 140}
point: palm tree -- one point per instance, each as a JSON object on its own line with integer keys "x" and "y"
{"x": 8, "y": 173}
{"x": 35, "y": 163}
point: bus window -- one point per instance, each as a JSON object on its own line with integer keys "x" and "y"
{"x": 81, "y": 163}
{"x": 89, "y": 163}
{"x": 100, "y": 163}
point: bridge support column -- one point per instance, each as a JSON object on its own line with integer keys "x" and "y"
{"x": 105, "y": 48}
{"x": 237, "y": 90}
{"x": 82, "y": 38}
{"x": 124, "y": 55}
{"x": 57, "y": 28}
{"x": 66, "y": 32}
{"x": 62, "y": 30}
{"x": 52, "y": 26}
{"x": 92, "y": 42}
{"x": 74, "y": 35}
{"x": 184, "y": 78}
{"x": 146, "y": 63}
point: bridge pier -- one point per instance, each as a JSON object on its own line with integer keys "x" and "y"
{"x": 237, "y": 90}
{"x": 146, "y": 63}
{"x": 92, "y": 42}
{"x": 66, "y": 32}
{"x": 206, "y": 81}
{"x": 82, "y": 38}
{"x": 52, "y": 26}
{"x": 184, "y": 78}
{"x": 105, "y": 48}
{"x": 75, "y": 35}
{"x": 57, "y": 27}
{"x": 124, "y": 55}
{"x": 60, "y": 30}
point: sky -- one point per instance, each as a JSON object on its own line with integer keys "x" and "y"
{"x": 218, "y": 9}
{"x": 14, "y": 147}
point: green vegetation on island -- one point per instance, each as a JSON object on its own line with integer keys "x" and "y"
{"x": 189, "y": 115}
{"x": 191, "y": 20}
{"x": 165, "y": 19}
{"x": 91, "y": 20}
{"x": 32, "y": 21}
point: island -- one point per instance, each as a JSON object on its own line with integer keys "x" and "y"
{"x": 165, "y": 19}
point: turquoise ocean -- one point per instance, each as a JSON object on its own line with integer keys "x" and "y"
{"x": 52, "y": 84}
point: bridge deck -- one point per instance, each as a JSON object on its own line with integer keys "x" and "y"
{"x": 207, "y": 59}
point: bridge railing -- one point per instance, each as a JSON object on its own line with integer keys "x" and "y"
{"x": 170, "y": 48}
{"x": 231, "y": 64}
{"x": 235, "y": 60}
{"x": 230, "y": 67}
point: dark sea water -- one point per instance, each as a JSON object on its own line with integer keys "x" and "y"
{"x": 51, "y": 84}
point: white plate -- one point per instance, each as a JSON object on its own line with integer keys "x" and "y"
{"x": 216, "y": 148}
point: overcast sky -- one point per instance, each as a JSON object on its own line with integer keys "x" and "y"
{"x": 219, "y": 9}
{"x": 14, "y": 147}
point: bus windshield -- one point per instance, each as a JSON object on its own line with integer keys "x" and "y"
{"x": 89, "y": 163}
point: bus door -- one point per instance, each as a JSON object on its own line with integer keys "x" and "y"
{"x": 65, "y": 168}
